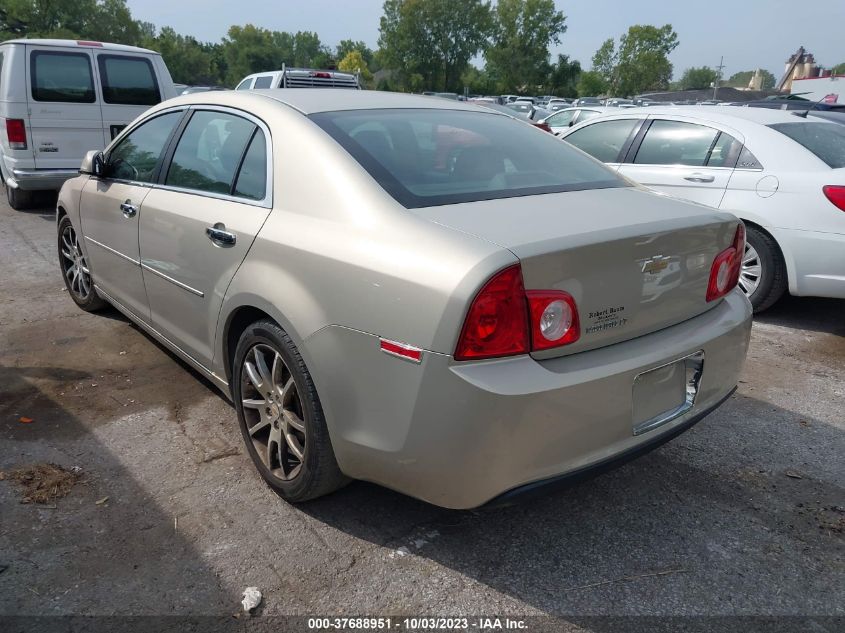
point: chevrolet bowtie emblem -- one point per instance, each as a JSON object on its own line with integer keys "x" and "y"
{"x": 656, "y": 264}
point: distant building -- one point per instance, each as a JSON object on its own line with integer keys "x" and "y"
{"x": 828, "y": 89}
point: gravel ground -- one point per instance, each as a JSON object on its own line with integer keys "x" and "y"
{"x": 741, "y": 516}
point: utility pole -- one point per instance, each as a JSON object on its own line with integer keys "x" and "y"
{"x": 718, "y": 76}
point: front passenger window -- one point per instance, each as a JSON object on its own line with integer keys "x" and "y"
{"x": 136, "y": 156}
{"x": 603, "y": 140}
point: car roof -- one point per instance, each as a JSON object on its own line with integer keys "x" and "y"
{"x": 313, "y": 100}
{"x": 86, "y": 44}
{"x": 728, "y": 115}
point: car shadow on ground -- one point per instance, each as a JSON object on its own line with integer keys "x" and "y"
{"x": 807, "y": 313}
{"x": 725, "y": 519}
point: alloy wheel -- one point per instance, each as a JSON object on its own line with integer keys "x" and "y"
{"x": 273, "y": 412}
{"x": 74, "y": 266}
{"x": 751, "y": 271}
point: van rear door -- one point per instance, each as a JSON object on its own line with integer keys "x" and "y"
{"x": 130, "y": 85}
{"x": 64, "y": 106}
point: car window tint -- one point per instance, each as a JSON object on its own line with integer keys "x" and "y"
{"x": 561, "y": 119}
{"x": 263, "y": 82}
{"x": 676, "y": 143}
{"x": 724, "y": 152}
{"x": 587, "y": 114}
{"x": 136, "y": 156}
{"x": 825, "y": 140}
{"x": 209, "y": 152}
{"x": 603, "y": 140}
{"x": 244, "y": 85}
{"x": 252, "y": 178}
{"x": 747, "y": 160}
{"x": 64, "y": 77}
{"x": 128, "y": 80}
{"x": 426, "y": 157}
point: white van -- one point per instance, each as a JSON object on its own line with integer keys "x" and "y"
{"x": 61, "y": 98}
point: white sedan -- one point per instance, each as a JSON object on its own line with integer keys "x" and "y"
{"x": 783, "y": 174}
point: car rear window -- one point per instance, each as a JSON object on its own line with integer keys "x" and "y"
{"x": 825, "y": 140}
{"x": 62, "y": 77}
{"x": 430, "y": 157}
{"x": 128, "y": 80}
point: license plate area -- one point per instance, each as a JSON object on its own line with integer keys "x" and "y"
{"x": 665, "y": 393}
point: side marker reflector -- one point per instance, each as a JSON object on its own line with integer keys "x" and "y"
{"x": 401, "y": 350}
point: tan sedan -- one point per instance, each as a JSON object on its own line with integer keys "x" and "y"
{"x": 412, "y": 291}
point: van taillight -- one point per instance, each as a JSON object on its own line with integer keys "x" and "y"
{"x": 724, "y": 273}
{"x": 16, "y": 132}
{"x": 506, "y": 320}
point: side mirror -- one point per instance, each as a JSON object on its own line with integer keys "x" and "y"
{"x": 93, "y": 164}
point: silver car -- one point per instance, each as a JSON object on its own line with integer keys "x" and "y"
{"x": 417, "y": 292}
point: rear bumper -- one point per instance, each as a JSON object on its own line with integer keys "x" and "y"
{"x": 39, "y": 179}
{"x": 815, "y": 261}
{"x": 461, "y": 434}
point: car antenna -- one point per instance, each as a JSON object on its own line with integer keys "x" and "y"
{"x": 803, "y": 113}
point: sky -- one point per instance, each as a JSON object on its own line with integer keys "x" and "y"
{"x": 748, "y": 33}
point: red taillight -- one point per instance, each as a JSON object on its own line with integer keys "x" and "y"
{"x": 505, "y": 319}
{"x": 543, "y": 126}
{"x": 836, "y": 194}
{"x": 16, "y": 132}
{"x": 554, "y": 319}
{"x": 497, "y": 321}
{"x": 724, "y": 273}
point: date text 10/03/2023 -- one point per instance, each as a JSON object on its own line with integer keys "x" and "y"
{"x": 416, "y": 624}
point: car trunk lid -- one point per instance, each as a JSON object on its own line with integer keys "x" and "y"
{"x": 635, "y": 262}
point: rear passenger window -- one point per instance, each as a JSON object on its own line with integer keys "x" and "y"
{"x": 263, "y": 82}
{"x": 604, "y": 140}
{"x": 128, "y": 80}
{"x": 725, "y": 152}
{"x": 252, "y": 178}
{"x": 676, "y": 143}
{"x": 64, "y": 77}
{"x": 136, "y": 156}
{"x": 747, "y": 160}
{"x": 209, "y": 152}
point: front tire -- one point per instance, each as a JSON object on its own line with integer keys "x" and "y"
{"x": 75, "y": 271}
{"x": 763, "y": 274}
{"x": 280, "y": 416}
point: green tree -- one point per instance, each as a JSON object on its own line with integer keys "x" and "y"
{"x": 189, "y": 61}
{"x": 697, "y": 78}
{"x": 564, "y": 76}
{"x": 433, "y": 39}
{"x": 518, "y": 54}
{"x": 347, "y": 46}
{"x": 250, "y": 49}
{"x": 103, "y": 20}
{"x": 639, "y": 62}
{"x": 839, "y": 69}
{"x": 742, "y": 78}
{"x": 591, "y": 84}
{"x": 354, "y": 62}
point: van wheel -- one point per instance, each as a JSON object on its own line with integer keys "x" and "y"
{"x": 18, "y": 199}
{"x": 763, "y": 274}
{"x": 280, "y": 416}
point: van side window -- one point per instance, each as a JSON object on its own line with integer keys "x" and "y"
{"x": 209, "y": 152}
{"x": 64, "y": 77}
{"x": 263, "y": 82}
{"x": 136, "y": 157}
{"x": 128, "y": 80}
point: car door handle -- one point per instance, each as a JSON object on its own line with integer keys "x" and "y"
{"x": 220, "y": 236}
{"x": 129, "y": 209}
{"x": 700, "y": 178}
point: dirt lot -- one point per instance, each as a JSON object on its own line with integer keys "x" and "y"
{"x": 743, "y": 515}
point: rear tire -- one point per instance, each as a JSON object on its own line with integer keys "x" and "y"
{"x": 280, "y": 416}
{"x": 18, "y": 199}
{"x": 763, "y": 275}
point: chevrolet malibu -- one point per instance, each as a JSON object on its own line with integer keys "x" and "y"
{"x": 420, "y": 293}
